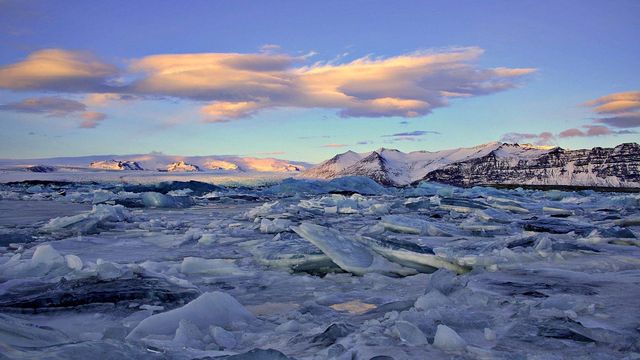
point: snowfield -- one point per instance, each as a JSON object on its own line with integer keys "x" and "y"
{"x": 161, "y": 266}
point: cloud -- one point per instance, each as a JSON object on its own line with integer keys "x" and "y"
{"x": 543, "y": 138}
{"x": 48, "y": 105}
{"x": 412, "y": 133}
{"x": 270, "y": 48}
{"x": 105, "y": 99}
{"x": 405, "y": 138}
{"x": 622, "y": 121}
{"x": 621, "y": 110}
{"x": 94, "y": 116}
{"x": 548, "y": 138}
{"x": 58, "y": 70}
{"x": 238, "y": 85}
{"x": 593, "y": 130}
{"x": 57, "y": 107}
{"x": 407, "y": 86}
{"x": 334, "y": 145}
{"x": 615, "y": 103}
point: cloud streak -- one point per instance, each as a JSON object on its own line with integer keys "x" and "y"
{"x": 53, "y": 106}
{"x": 620, "y": 110}
{"x": 592, "y": 131}
{"x": 415, "y": 133}
{"x": 234, "y": 86}
{"x": 48, "y": 105}
{"x": 58, "y": 70}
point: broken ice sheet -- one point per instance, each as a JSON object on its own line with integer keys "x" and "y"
{"x": 374, "y": 272}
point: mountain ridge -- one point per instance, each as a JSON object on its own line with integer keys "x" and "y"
{"x": 491, "y": 163}
{"x": 155, "y": 161}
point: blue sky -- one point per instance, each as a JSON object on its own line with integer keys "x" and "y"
{"x": 312, "y": 64}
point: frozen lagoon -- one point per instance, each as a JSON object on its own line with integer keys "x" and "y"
{"x": 314, "y": 270}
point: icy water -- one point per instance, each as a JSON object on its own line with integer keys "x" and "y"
{"x": 316, "y": 270}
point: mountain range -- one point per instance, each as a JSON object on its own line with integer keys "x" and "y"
{"x": 491, "y": 164}
{"x": 156, "y": 162}
{"x": 494, "y": 163}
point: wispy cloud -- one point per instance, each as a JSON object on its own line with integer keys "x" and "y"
{"x": 548, "y": 138}
{"x": 58, "y": 70}
{"x": 620, "y": 110}
{"x": 48, "y": 105}
{"x": 543, "y": 138}
{"x": 52, "y": 106}
{"x": 91, "y": 119}
{"x": 415, "y": 133}
{"x": 334, "y": 145}
{"x": 593, "y": 130}
{"x": 236, "y": 85}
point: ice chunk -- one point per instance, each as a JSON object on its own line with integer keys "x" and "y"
{"x": 18, "y": 333}
{"x": 291, "y": 252}
{"x": 100, "y": 196}
{"x": 264, "y": 210}
{"x": 409, "y": 254}
{"x": 188, "y": 335}
{"x": 207, "y": 239}
{"x": 73, "y": 262}
{"x": 222, "y": 337}
{"x": 130, "y": 288}
{"x": 200, "y": 266}
{"x": 432, "y": 299}
{"x": 411, "y": 225}
{"x": 357, "y": 184}
{"x": 489, "y": 334}
{"x": 274, "y": 226}
{"x": 259, "y": 354}
{"x": 158, "y": 200}
{"x": 45, "y": 262}
{"x": 102, "y": 216}
{"x": 211, "y": 308}
{"x": 288, "y": 326}
{"x": 409, "y": 333}
{"x": 349, "y": 254}
{"x": 46, "y": 254}
{"x": 496, "y": 215}
{"x": 448, "y": 340}
{"x": 557, "y": 211}
{"x": 107, "y": 270}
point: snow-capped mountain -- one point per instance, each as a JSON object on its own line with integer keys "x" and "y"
{"x": 115, "y": 165}
{"x": 181, "y": 166}
{"x": 153, "y": 161}
{"x": 492, "y": 163}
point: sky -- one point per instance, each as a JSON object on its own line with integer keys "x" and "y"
{"x": 304, "y": 80}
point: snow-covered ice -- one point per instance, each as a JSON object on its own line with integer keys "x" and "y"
{"x": 312, "y": 269}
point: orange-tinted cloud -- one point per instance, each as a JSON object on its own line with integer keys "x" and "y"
{"x": 57, "y": 70}
{"x": 621, "y": 110}
{"x": 47, "y": 105}
{"x": 238, "y": 85}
